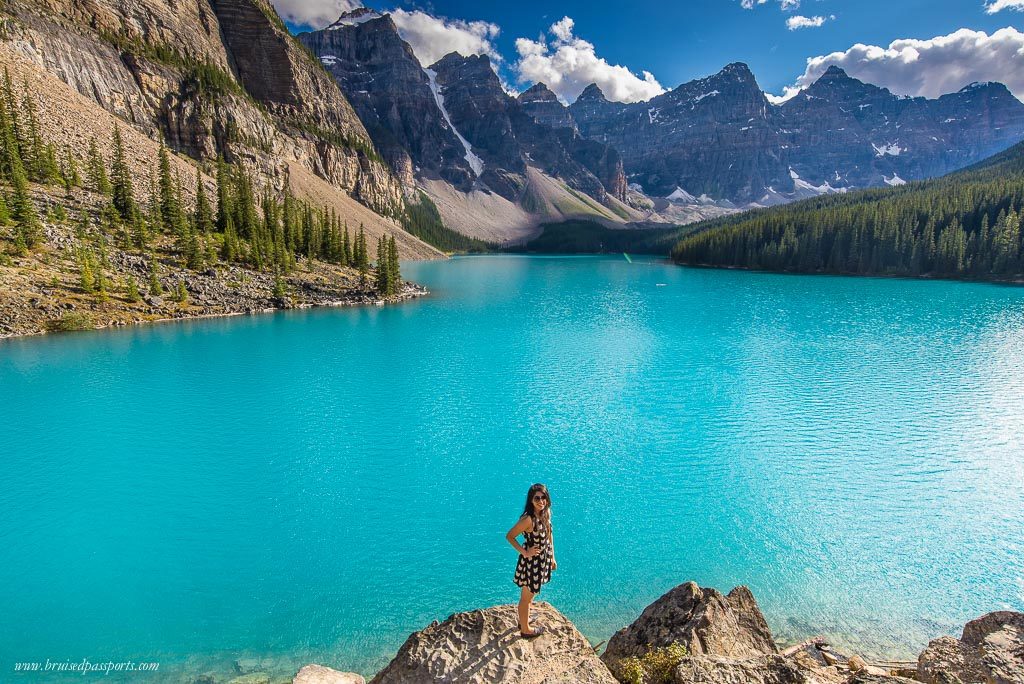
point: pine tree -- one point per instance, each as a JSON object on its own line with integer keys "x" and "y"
{"x": 69, "y": 171}
{"x": 123, "y": 194}
{"x": 96, "y": 171}
{"x": 224, "y": 208}
{"x": 131, "y": 290}
{"x": 155, "y": 288}
{"x": 383, "y": 264}
{"x": 181, "y": 293}
{"x": 202, "y": 217}
{"x": 86, "y": 279}
{"x": 394, "y": 269}
{"x": 23, "y": 210}
{"x": 346, "y": 248}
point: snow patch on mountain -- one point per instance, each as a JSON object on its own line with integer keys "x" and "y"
{"x": 892, "y": 149}
{"x": 894, "y": 181}
{"x": 800, "y": 184}
{"x": 360, "y": 15}
{"x": 700, "y": 97}
{"x": 475, "y": 162}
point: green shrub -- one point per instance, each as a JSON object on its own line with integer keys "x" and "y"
{"x": 654, "y": 667}
{"x": 72, "y": 320}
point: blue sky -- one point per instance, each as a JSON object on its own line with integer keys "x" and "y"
{"x": 680, "y": 41}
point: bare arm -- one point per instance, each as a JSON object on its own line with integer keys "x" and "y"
{"x": 525, "y": 524}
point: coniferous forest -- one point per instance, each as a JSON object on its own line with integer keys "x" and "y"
{"x": 238, "y": 224}
{"x": 964, "y": 225}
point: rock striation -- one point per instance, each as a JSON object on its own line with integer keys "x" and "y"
{"x": 703, "y": 620}
{"x": 212, "y": 77}
{"x": 484, "y": 646}
{"x": 990, "y": 651}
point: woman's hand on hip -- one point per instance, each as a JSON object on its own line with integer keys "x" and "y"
{"x": 531, "y": 552}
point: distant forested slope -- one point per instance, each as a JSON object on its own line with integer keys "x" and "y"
{"x": 964, "y": 225}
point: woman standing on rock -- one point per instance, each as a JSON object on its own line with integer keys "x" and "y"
{"x": 537, "y": 557}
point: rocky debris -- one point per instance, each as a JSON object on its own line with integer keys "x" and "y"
{"x": 990, "y": 651}
{"x": 866, "y": 677}
{"x": 764, "y": 669}
{"x": 42, "y": 289}
{"x": 703, "y": 620}
{"x": 484, "y": 646}
{"x": 318, "y": 674}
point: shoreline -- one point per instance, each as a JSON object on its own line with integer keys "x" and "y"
{"x": 409, "y": 292}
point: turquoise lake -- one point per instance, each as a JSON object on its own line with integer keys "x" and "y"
{"x": 312, "y": 486}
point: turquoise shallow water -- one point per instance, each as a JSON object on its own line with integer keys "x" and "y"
{"x": 315, "y": 485}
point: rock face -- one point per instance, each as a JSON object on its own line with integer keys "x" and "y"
{"x": 484, "y": 646}
{"x": 703, "y": 620}
{"x": 719, "y": 136}
{"x": 211, "y": 77}
{"x": 508, "y": 138}
{"x": 391, "y": 92}
{"x": 453, "y": 120}
{"x": 539, "y": 102}
{"x": 990, "y": 651}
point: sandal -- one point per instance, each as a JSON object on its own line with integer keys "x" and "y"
{"x": 530, "y": 635}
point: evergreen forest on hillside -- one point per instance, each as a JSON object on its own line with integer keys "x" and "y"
{"x": 964, "y": 225}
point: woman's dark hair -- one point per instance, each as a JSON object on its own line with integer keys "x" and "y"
{"x": 528, "y": 509}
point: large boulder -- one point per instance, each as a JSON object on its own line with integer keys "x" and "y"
{"x": 703, "y": 620}
{"x": 990, "y": 651}
{"x": 764, "y": 669}
{"x": 318, "y": 674}
{"x": 485, "y": 647}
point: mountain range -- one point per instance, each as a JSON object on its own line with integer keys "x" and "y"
{"x": 349, "y": 117}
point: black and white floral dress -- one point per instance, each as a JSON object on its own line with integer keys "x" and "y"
{"x": 535, "y": 572}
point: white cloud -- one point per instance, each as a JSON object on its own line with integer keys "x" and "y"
{"x": 432, "y": 38}
{"x": 932, "y": 67}
{"x": 568, "y": 64}
{"x": 787, "y": 5}
{"x": 313, "y": 13}
{"x": 800, "y": 22}
{"x": 1000, "y": 5}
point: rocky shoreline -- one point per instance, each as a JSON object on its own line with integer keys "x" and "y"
{"x": 41, "y": 291}
{"x": 691, "y": 635}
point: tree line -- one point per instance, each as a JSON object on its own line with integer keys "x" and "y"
{"x": 965, "y": 225}
{"x": 237, "y": 224}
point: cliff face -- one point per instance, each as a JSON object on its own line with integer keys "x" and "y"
{"x": 212, "y": 77}
{"x": 391, "y": 93}
{"x": 453, "y": 121}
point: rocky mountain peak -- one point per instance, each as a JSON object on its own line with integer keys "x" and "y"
{"x": 738, "y": 71}
{"x": 592, "y": 93}
{"x": 359, "y": 15}
{"x": 538, "y": 92}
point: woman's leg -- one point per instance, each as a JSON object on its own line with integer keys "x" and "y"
{"x": 525, "y": 598}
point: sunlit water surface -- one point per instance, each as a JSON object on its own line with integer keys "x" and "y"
{"x": 313, "y": 486}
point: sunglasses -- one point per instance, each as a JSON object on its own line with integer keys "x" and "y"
{"x": 539, "y": 497}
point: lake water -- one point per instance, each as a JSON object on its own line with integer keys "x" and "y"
{"x": 313, "y": 486}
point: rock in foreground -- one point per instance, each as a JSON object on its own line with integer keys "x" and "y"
{"x": 703, "y": 620}
{"x": 318, "y": 674}
{"x": 484, "y": 646}
{"x": 765, "y": 669}
{"x": 991, "y": 651}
